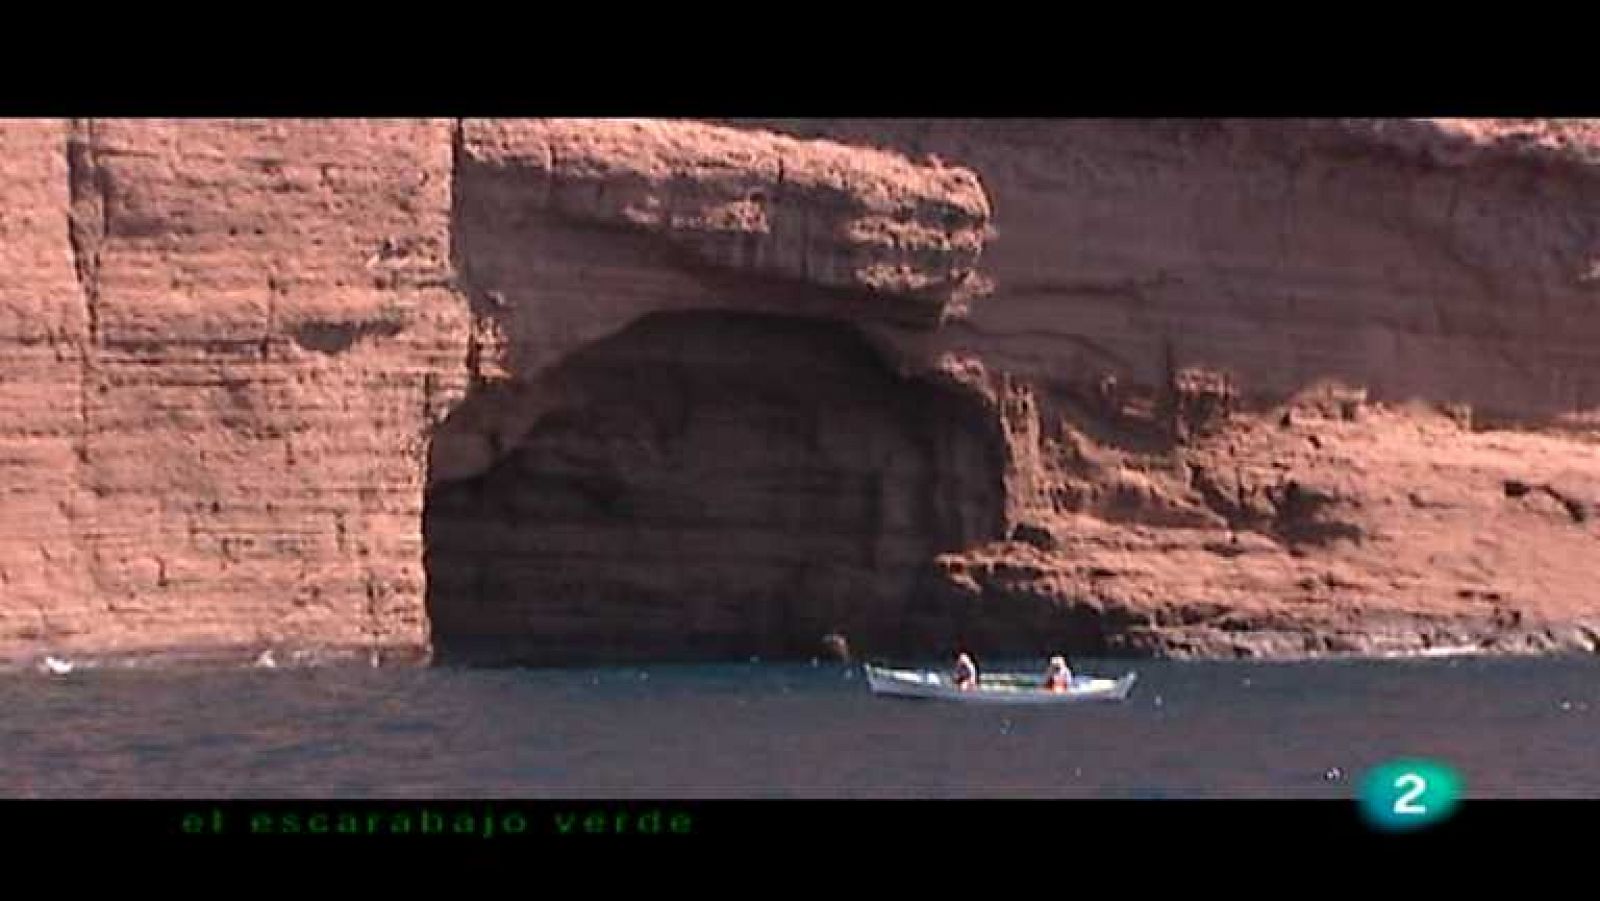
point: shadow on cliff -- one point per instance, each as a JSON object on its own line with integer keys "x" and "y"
{"x": 703, "y": 485}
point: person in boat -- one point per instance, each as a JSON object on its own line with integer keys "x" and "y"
{"x": 966, "y": 674}
{"x": 1057, "y": 676}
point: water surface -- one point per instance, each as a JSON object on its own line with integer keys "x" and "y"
{"x": 1512, "y": 727}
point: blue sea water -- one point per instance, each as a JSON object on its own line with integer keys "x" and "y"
{"x": 1509, "y": 727}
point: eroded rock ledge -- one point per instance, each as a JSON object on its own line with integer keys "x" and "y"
{"x": 838, "y": 216}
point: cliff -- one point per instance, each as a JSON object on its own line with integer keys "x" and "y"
{"x": 579, "y": 390}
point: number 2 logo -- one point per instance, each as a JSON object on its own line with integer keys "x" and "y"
{"x": 1409, "y": 794}
{"x": 1406, "y": 805}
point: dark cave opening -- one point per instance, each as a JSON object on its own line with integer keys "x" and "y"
{"x": 704, "y": 486}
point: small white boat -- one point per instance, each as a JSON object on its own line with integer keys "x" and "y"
{"x": 55, "y": 666}
{"x": 998, "y": 688}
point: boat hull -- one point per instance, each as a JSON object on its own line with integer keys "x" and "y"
{"x": 999, "y": 689}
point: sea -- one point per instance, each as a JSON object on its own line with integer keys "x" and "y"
{"x": 1508, "y": 727}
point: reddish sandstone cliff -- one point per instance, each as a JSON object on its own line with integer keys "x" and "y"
{"x": 224, "y": 344}
{"x": 581, "y": 390}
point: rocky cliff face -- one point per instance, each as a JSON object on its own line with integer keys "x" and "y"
{"x": 567, "y": 390}
{"x": 224, "y": 347}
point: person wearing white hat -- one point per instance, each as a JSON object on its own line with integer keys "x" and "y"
{"x": 1057, "y": 677}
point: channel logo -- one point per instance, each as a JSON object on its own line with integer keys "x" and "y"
{"x": 1407, "y": 795}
